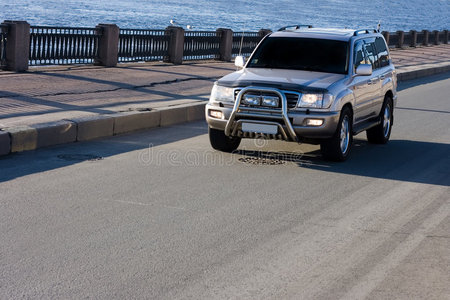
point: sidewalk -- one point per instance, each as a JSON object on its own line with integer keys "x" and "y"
{"x": 88, "y": 102}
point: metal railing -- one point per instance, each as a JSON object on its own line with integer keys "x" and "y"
{"x": 244, "y": 43}
{"x": 143, "y": 45}
{"x": 420, "y": 37}
{"x": 3, "y": 40}
{"x": 201, "y": 45}
{"x": 63, "y": 45}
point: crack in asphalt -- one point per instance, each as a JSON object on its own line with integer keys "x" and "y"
{"x": 130, "y": 87}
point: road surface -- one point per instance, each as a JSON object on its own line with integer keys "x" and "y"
{"x": 159, "y": 215}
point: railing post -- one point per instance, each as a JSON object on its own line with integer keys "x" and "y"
{"x": 108, "y": 45}
{"x": 386, "y": 36}
{"x": 226, "y": 43}
{"x": 413, "y": 34}
{"x": 17, "y": 46}
{"x": 176, "y": 44}
{"x": 445, "y": 41}
{"x": 263, "y": 32}
{"x": 426, "y": 33}
{"x": 436, "y": 37}
{"x": 401, "y": 37}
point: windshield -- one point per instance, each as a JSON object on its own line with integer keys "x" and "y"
{"x": 301, "y": 54}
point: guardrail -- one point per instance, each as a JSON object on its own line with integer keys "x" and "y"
{"x": 201, "y": 45}
{"x": 143, "y": 45}
{"x": 3, "y": 40}
{"x": 401, "y": 39}
{"x": 63, "y": 45}
{"x": 107, "y": 45}
{"x": 245, "y": 42}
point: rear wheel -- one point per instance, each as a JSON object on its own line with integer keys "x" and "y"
{"x": 221, "y": 142}
{"x": 338, "y": 147}
{"x": 381, "y": 133}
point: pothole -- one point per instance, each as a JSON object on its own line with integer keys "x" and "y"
{"x": 80, "y": 157}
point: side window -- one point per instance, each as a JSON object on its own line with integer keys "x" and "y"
{"x": 359, "y": 57}
{"x": 383, "y": 53}
{"x": 370, "y": 51}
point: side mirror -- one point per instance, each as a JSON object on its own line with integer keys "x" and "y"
{"x": 239, "y": 61}
{"x": 364, "y": 70}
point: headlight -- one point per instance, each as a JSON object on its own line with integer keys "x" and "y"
{"x": 221, "y": 94}
{"x": 315, "y": 101}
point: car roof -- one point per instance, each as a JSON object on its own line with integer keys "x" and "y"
{"x": 323, "y": 33}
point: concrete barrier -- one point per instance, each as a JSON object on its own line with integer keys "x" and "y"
{"x": 23, "y": 138}
{"x": 174, "y": 115}
{"x": 133, "y": 121}
{"x": 94, "y": 127}
{"x": 54, "y": 133}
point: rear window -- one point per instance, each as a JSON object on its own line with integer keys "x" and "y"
{"x": 301, "y": 54}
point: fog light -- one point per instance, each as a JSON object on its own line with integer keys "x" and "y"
{"x": 216, "y": 114}
{"x": 314, "y": 122}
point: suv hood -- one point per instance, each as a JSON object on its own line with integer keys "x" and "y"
{"x": 280, "y": 78}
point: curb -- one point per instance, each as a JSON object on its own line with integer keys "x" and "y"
{"x": 409, "y": 75}
{"x": 23, "y": 138}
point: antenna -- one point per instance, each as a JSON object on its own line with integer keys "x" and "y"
{"x": 242, "y": 42}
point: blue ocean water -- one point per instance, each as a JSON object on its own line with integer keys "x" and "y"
{"x": 238, "y": 15}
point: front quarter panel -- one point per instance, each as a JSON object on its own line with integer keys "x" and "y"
{"x": 342, "y": 98}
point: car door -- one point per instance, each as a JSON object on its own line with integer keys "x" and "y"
{"x": 374, "y": 83}
{"x": 385, "y": 72}
{"x": 363, "y": 88}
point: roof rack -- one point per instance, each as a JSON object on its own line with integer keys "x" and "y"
{"x": 364, "y": 31}
{"x": 295, "y": 27}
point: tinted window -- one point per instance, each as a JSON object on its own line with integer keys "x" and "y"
{"x": 371, "y": 54}
{"x": 359, "y": 57}
{"x": 301, "y": 54}
{"x": 383, "y": 53}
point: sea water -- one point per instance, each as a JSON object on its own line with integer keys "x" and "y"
{"x": 249, "y": 15}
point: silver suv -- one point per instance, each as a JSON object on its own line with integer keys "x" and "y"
{"x": 307, "y": 85}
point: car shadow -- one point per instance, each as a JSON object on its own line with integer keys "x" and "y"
{"x": 400, "y": 160}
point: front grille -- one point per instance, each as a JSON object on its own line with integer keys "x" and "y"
{"x": 292, "y": 98}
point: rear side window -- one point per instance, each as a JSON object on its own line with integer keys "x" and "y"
{"x": 383, "y": 53}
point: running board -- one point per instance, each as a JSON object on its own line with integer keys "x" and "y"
{"x": 365, "y": 125}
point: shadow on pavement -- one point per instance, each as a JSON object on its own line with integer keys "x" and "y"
{"x": 46, "y": 159}
{"x": 401, "y": 160}
{"x": 404, "y": 85}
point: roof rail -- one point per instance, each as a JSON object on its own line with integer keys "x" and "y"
{"x": 294, "y": 27}
{"x": 364, "y": 31}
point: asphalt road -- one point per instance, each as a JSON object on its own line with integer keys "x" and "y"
{"x": 159, "y": 215}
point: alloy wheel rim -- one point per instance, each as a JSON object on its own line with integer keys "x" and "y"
{"x": 344, "y": 134}
{"x": 386, "y": 120}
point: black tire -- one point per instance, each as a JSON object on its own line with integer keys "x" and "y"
{"x": 221, "y": 142}
{"x": 338, "y": 147}
{"x": 381, "y": 133}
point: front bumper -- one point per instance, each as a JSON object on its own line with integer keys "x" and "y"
{"x": 291, "y": 124}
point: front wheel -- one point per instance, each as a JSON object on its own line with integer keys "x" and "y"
{"x": 338, "y": 147}
{"x": 221, "y": 142}
{"x": 381, "y": 133}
